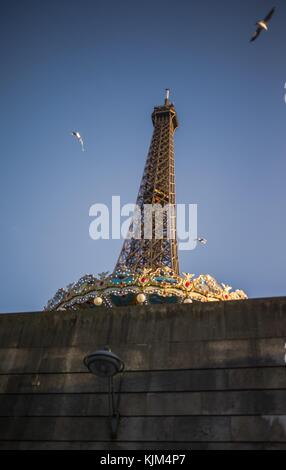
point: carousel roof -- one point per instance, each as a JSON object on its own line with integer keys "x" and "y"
{"x": 146, "y": 287}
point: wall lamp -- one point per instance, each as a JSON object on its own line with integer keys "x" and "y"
{"x": 106, "y": 364}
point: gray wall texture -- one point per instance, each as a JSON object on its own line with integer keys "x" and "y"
{"x": 200, "y": 376}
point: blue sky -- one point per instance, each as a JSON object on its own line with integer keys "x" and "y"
{"x": 100, "y": 67}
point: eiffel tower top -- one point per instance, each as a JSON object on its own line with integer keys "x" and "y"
{"x": 167, "y": 107}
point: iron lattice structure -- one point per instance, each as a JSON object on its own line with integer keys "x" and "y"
{"x": 157, "y": 188}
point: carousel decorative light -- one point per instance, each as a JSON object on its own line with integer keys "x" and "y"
{"x": 97, "y": 301}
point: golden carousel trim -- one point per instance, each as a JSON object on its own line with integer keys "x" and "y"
{"x": 146, "y": 287}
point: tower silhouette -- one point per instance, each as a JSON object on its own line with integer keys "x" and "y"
{"x": 157, "y": 188}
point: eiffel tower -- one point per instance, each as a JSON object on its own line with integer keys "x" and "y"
{"x": 147, "y": 270}
{"x": 157, "y": 188}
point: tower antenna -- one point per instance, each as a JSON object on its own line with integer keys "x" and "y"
{"x": 167, "y": 96}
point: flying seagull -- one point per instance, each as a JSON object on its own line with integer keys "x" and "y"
{"x": 77, "y": 135}
{"x": 202, "y": 241}
{"x": 262, "y": 25}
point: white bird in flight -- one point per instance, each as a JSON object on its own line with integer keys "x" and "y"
{"x": 202, "y": 241}
{"x": 262, "y": 25}
{"x": 77, "y": 135}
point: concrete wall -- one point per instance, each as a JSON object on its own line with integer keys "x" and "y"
{"x": 201, "y": 376}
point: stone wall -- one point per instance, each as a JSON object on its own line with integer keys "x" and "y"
{"x": 200, "y": 376}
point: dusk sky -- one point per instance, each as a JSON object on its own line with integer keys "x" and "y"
{"x": 100, "y": 67}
